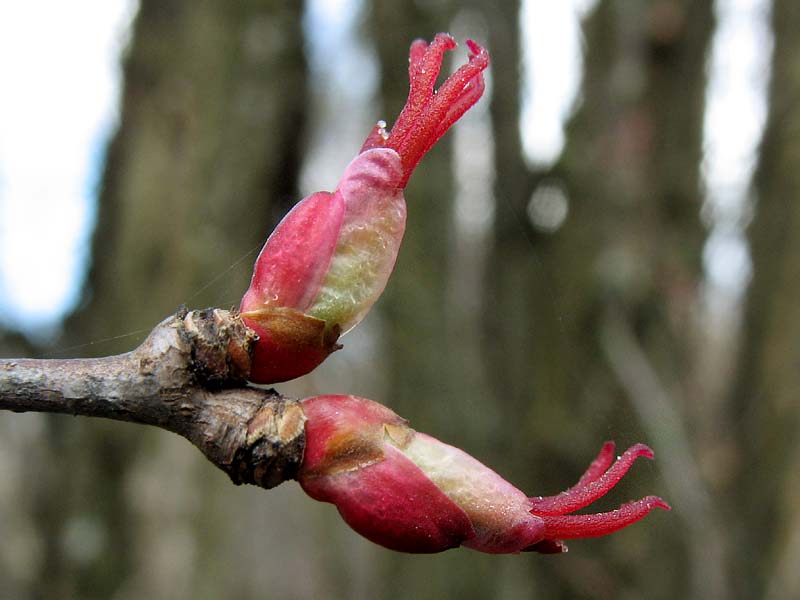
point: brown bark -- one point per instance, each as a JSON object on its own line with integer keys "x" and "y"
{"x": 764, "y": 394}
{"x": 187, "y": 377}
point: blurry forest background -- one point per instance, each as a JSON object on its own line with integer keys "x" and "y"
{"x": 535, "y": 311}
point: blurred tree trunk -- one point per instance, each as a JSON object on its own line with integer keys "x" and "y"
{"x": 625, "y": 262}
{"x": 16, "y": 434}
{"x": 766, "y": 392}
{"x": 205, "y": 159}
{"x": 414, "y": 303}
{"x": 429, "y": 367}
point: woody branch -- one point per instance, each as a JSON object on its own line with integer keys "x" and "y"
{"x": 187, "y": 377}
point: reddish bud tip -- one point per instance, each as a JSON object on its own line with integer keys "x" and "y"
{"x": 429, "y": 112}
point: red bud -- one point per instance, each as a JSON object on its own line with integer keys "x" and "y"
{"x": 328, "y": 261}
{"x": 408, "y": 491}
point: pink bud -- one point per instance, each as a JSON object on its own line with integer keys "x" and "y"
{"x": 324, "y": 266}
{"x": 410, "y": 492}
{"x": 329, "y": 259}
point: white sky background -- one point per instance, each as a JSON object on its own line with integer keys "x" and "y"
{"x": 59, "y": 72}
{"x": 552, "y": 54}
{"x": 735, "y": 116}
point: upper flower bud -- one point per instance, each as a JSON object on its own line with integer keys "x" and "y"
{"x": 410, "y": 492}
{"x": 324, "y": 266}
{"x": 329, "y": 259}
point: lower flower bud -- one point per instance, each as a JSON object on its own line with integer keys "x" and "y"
{"x": 408, "y": 491}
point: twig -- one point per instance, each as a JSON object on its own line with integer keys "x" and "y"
{"x": 188, "y": 377}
